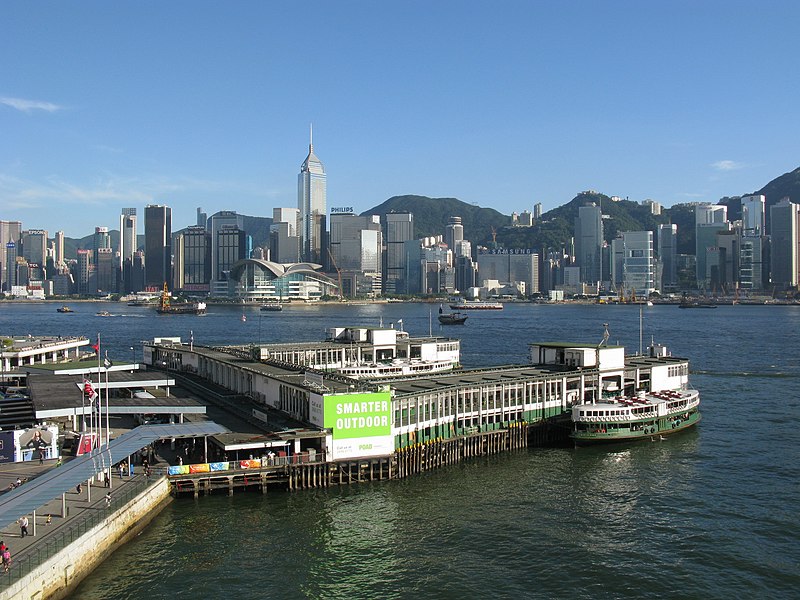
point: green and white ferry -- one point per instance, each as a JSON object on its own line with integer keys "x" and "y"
{"x": 631, "y": 407}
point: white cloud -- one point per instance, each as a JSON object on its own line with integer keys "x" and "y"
{"x": 727, "y": 165}
{"x": 28, "y": 106}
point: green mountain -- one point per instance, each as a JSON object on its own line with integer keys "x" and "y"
{"x": 431, "y": 216}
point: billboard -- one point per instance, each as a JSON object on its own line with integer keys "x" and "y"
{"x": 361, "y": 424}
{"x": 6, "y": 446}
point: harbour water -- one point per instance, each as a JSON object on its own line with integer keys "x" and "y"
{"x": 710, "y": 513}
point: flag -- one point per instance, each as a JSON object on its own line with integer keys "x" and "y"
{"x": 88, "y": 389}
{"x": 97, "y": 345}
{"x": 107, "y": 362}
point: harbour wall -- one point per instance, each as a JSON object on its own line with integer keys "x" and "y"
{"x": 58, "y": 576}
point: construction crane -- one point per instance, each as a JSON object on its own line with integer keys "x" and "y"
{"x": 338, "y": 273}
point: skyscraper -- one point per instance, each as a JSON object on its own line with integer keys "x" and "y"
{"x": 34, "y": 250}
{"x": 453, "y": 234}
{"x": 667, "y": 253}
{"x": 753, "y": 214}
{"x": 399, "y": 230}
{"x": 58, "y": 259}
{"x": 9, "y": 233}
{"x": 785, "y": 234}
{"x": 157, "y": 245}
{"x": 311, "y": 201}
{"x": 192, "y": 263}
{"x": 589, "y": 242}
{"x": 127, "y": 235}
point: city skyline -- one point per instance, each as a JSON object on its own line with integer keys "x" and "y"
{"x": 499, "y": 107}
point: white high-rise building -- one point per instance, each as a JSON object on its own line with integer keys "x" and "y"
{"x": 127, "y": 235}
{"x": 633, "y": 262}
{"x": 311, "y": 201}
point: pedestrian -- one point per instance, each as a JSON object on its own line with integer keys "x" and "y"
{"x": 78, "y": 488}
{"x": 108, "y": 499}
{"x": 58, "y": 462}
{"x": 6, "y": 560}
{"x": 2, "y": 547}
{"x": 180, "y": 460}
{"x": 120, "y": 470}
{"x": 23, "y": 525}
{"x": 48, "y": 520}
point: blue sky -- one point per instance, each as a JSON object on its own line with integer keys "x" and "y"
{"x": 501, "y": 104}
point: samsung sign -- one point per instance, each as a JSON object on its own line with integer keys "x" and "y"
{"x": 507, "y": 251}
{"x": 342, "y": 210}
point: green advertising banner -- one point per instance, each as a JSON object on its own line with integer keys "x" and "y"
{"x": 358, "y": 415}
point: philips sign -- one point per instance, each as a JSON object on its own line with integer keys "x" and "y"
{"x": 342, "y": 210}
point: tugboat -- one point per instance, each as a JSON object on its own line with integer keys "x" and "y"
{"x": 64, "y": 309}
{"x": 183, "y": 308}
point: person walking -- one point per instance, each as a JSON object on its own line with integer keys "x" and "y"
{"x": 6, "y": 560}
{"x": 108, "y": 500}
{"x": 23, "y": 525}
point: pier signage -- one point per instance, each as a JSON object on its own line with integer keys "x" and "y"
{"x": 361, "y": 424}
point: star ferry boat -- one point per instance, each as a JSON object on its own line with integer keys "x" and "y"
{"x": 665, "y": 406}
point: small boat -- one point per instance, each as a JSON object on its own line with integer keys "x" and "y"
{"x": 453, "y": 318}
{"x": 103, "y": 313}
{"x": 244, "y": 319}
{"x": 64, "y": 309}
{"x": 272, "y": 307}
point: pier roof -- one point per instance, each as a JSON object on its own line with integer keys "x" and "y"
{"x": 472, "y": 377}
{"x": 61, "y": 395}
{"x": 38, "y": 492}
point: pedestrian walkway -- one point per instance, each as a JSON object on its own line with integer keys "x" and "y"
{"x": 51, "y": 530}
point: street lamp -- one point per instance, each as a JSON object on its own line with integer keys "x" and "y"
{"x": 133, "y": 356}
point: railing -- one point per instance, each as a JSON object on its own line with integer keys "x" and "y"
{"x": 232, "y": 467}
{"x": 59, "y": 536}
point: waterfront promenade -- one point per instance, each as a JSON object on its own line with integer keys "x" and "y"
{"x": 83, "y": 511}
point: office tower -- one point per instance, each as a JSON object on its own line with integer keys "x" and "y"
{"x": 105, "y": 270}
{"x": 633, "y": 263}
{"x": 518, "y": 269}
{"x": 454, "y": 233}
{"x": 356, "y": 242}
{"x": 9, "y": 232}
{"x": 751, "y": 262}
{"x": 589, "y": 243}
{"x": 537, "y": 211}
{"x": 705, "y": 243}
{"x": 58, "y": 257}
{"x": 82, "y": 271}
{"x": 101, "y": 239}
{"x": 229, "y": 246}
{"x": 525, "y": 219}
{"x": 128, "y": 241}
{"x": 157, "y": 245}
{"x": 192, "y": 265}
{"x": 9, "y": 266}
{"x": 284, "y": 244}
{"x": 134, "y": 279}
{"x": 311, "y": 202}
{"x": 34, "y": 250}
{"x": 224, "y": 220}
{"x": 399, "y": 230}
{"x": 785, "y": 250}
{"x": 202, "y": 218}
{"x": 753, "y": 214}
{"x": 667, "y": 251}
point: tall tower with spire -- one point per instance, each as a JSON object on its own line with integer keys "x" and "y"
{"x": 311, "y": 201}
